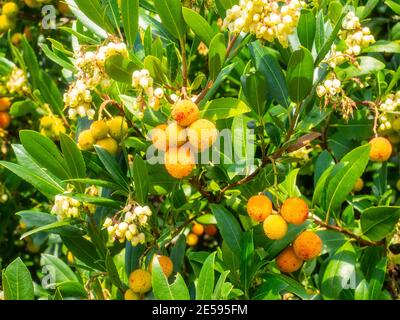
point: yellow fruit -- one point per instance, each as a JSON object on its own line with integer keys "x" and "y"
{"x": 381, "y": 149}
{"x": 158, "y": 137}
{"x": 179, "y": 162}
{"x": 275, "y": 227}
{"x": 5, "y": 104}
{"x": 198, "y": 229}
{"x": 16, "y": 38}
{"x": 118, "y": 127}
{"x": 396, "y": 125}
{"x": 394, "y": 138}
{"x": 131, "y": 295}
{"x": 85, "y": 140}
{"x": 99, "y": 129}
{"x": 109, "y": 144}
{"x": 175, "y": 135}
{"x": 295, "y": 211}
{"x": 185, "y": 112}
{"x": 288, "y": 262}
{"x": 46, "y": 122}
{"x": 70, "y": 258}
{"x": 192, "y": 240}
{"x": 166, "y": 265}
{"x": 359, "y": 185}
{"x": 10, "y": 9}
{"x": 308, "y": 245}
{"x": 5, "y": 23}
{"x": 211, "y": 230}
{"x": 202, "y": 134}
{"x": 140, "y": 281}
{"x": 259, "y": 207}
{"x": 32, "y": 3}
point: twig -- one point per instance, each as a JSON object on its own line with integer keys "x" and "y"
{"x": 204, "y": 92}
{"x": 184, "y": 69}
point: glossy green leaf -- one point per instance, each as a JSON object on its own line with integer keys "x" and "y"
{"x": 17, "y": 282}
{"x": 170, "y": 12}
{"x": 199, "y": 25}
{"x": 130, "y": 20}
{"x": 378, "y": 222}
{"x": 216, "y": 55}
{"x": 224, "y": 108}
{"x": 140, "y": 176}
{"x": 306, "y": 28}
{"x": 205, "y": 283}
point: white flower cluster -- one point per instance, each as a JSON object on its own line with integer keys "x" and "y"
{"x": 66, "y": 207}
{"x": 389, "y": 108}
{"x": 142, "y": 81}
{"x": 17, "y": 82}
{"x": 267, "y": 19}
{"x": 91, "y": 73}
{"x": 330, "y": 88}
{"x": 135, "y": 218}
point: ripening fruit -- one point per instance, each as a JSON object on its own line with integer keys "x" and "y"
{"x": 396, "y": 125}
{"x": 5, "y": 120}
{"x": 5, "y": 104}
{"x": 192, "y": 240}
{"x": 287, "y": 261}
{"x": 131, "y": 295}
{"x": 63, "y": 7}
{"x": 179, "y": 162}
{"x": 99, "y": 129}
{"x": 198, "y": 229}
{"x": 16, "y": 38}
{"x": 166, "y": 265}
{"x": 308, "y": 245}
{"x": 118, "y": 127}
{"x": 202, "y": 134}
{"x": 5, "y": 23}
{"x": 10, "y": 9}
{"x": 275, "y": 227}
{"x": 158, "y": 137}
{"x": 175, "y": 135}
{"x": 259, "y": 207}
{"x": 185, "y": 112}
{"x": 140, "y": 281}
{"x": 211, "y": 230}
{"x": 295, "y": 211}
{"x": 359, "y": 185}
{"x": 70, "y": 258}
{"x": 86, "y": 141}
{"x": 381, "y": 149}
{"x": 109, "y": 144}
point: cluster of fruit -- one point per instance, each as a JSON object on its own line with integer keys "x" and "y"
{"x": 140, "y": 279}
{"x": 198, "y": 230}
{"x": 295, "y": 211}
{"x": 5, "y": 119}
{"x": 181, "y": 139}
{"x": 52, "y": 126}
{"x": 105, "y": 134}
{"x": 8, "y": 17}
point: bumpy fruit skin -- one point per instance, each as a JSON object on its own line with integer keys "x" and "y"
{"x": 99, "y": 129}
{"x": 5, "y": 23}
{"x": 288, "y": 262}
{"x": 185, "y": 112}
{"x": 179, "y": 162}
{"x": 295, "y": 211}
{"x": 381, "y": 149}
{"x": 109, "y": 144}
{"x": 259, "y": 207}
{"x": 118, "y": 127}
{"x": 275, "y": 227}
{"x": 140, "y": 281}
{"x": 86, "y": 141}
{"x": 175, "y": 135}
{"x": 131, "y": 295}
{"x": 198, "y": 229}
{"x": 211, "y": 230}
{"x": 202, "y": 134}
{"x": 308, "y": 245}
{"x": 192, "y": 240}
{"x": 359, "y": 185}
{"x": 5, "y": 104}
{"x": 166, "y": 265}
{"x": 5, "y": 120}
{"x": 158, "y": 137}
{"x": 10, "y": 9}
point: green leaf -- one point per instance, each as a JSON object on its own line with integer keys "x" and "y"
{"x": 199, "y": 25}
{"x": 224, "y": 108}
{"x": 377, "y": 279}
{"x": 170, "y": 12}
{"x": 216, "y": 55}
{"x": 22, "y": 108}
{"x": 130, "y": 20}
{"x": 113, "y": 272}
{"x": 320, "y": 31}
{"x": 339, "y": 271}
{"x": 141, "y": 178}
{"x": 217, "y": 295}
{"x": 394, "y": 6}
{"x": 178, "y": 253}
{"x": 362, "y": 291}
{"x": 267, "y": 64}
{"x": 229, "y": 227}
{"x": 62, "y": 272}
{"x": 300, "y": 74}
{"x": 378, "y": 222}
{"x": 49, "y": 227}
{"x": 205, "y": 284}
{"x": 132, "y": 256}
{"x": 56, "y": 58}
{"x": 255, "y": 91}
{"x": 247, "y": 260}
{"x": 163, "y": 290}
{"x": 306, "y": 28}
{"x": 17, "y": 282}
{"x": 369, "y": 7}
{"x": 120, "y": 68}
{"x": 95, "y": 12}
{"x": 32, "y": 63}
{"x": 367, "y": 65}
